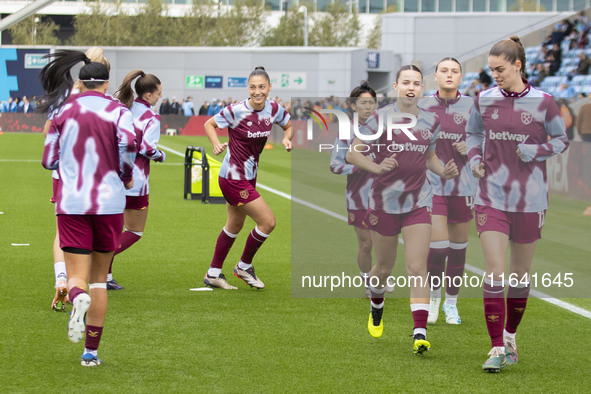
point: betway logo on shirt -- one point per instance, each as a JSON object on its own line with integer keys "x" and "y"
{"x": 507, "y": 136}
{"x": 448, "y": 136}
{"x": 410, "y": 147}
{"x": 259, "y": 134}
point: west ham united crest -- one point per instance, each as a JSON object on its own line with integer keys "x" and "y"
{"x": 526, "y": 117}
{"x": 426, "y": 134}
{"x": 267, "y": 121}
{"x": 373, "y": 219}
{"x": 244, "y": 194}
{"x": 458, "y": 118}
{"x": 482, "y": 219}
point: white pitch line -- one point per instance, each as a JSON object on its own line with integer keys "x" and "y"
{"x": 176, "y": 152}
{"x": 471, "y": 268}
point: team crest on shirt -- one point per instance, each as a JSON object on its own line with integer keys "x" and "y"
{"x": 526, "y": 118}
{"x": 373, "y": 219}
{"x": 244, "y": 194}
{"x": 426, "y": 134}
{"x": 482, "y": 219}
{"x": 268, "y": 121}
{"x": 458, "y": 118}
{"x": 495, "y": 114}
{"x": 249, "y": 123}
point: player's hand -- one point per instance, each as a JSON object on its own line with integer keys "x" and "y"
{"x": 387, "y": 165}
{"x": 129, "y": 185}
{"x": 478, "y": 170}
{"x": 287, "y": 144}
{"x": 450, "y": 170}
{"x": 460, "y": 147}
{"x": 219, "y": 148}
{"x": 162, "y": 157}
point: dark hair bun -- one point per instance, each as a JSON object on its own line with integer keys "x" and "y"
{"x": 260, "y": 68}
{"x": 516, "y": 40}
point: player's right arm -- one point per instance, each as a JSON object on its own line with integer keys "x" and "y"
{"x": 475, "y": 135}
{"x": 51, "y": 152}
{"x": 338, "y": 164}
{"x": 210, "y": 127}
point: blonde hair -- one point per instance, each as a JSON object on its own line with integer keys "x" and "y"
{"x": 96, "y": 54}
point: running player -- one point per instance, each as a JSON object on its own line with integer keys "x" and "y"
{"x": 363, "y": 102}
{"x": 513, "y": 128}
{"x": 91, "y": 142}
{"x": 147, "y": 129}
{"x": 453, "y": 198}
{"x": 58, "y": 303}
{"x": 400, "y": 199}
{"x": 249, "y": 124}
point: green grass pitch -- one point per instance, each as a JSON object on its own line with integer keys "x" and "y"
{"x": 160, "y": 337}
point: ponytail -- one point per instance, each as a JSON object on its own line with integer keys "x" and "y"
{"x": 146, "y": 83}
{"x": 512, "y": 50}
{"x": 56, "y": 78}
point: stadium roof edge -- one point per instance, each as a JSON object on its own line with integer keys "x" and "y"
{"x": 206, "y": 49}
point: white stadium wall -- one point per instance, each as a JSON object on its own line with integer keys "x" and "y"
{"x": 310, "y": 72}
{"x": 425, "y": 38}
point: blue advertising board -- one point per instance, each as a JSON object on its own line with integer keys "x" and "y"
{"x": 237, "y": 82}
{"x": 214, "y": 81}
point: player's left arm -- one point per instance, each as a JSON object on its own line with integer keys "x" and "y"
{"x": 150, "y": 141}
{"x": 287, "y": 136}
{"x": 558, "y": 140}
{"x": 127, "y": 146}
{"x": 283, "y": 119}
{"x": 450, "y": 170}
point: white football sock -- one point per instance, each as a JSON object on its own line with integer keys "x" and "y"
{"x": 59, "y": 269}
{"x": 215, "y": 272}
{"x": 420, "y": 330}
{"x": 451, "y": 299}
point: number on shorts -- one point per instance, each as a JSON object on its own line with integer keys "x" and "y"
{"x": 542, "y": 215}
{"x": 470, "y": 202}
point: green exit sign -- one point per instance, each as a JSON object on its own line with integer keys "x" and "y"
{"x": 35, "y": 60}
{"x": 195, "y": 82}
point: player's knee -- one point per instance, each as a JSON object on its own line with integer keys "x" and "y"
{"x": 268, "y": 225}
{"x": 233, "y": 228}
{"x": 382, "y": 272}
{"x": 415, "y": 270}
{"x": 365, "y": 246}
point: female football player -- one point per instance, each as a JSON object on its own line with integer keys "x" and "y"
{"x": 91, "y": 142}
{"x": 147, "y": 129}
{"x": 58, "y": 303}
{"x": 452, "y": 198}
{"x": 400, "y": 198}
{"x": 363, "y": 102}
{"x": 513, "y": 128}
{"x": 249, "y": 125}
